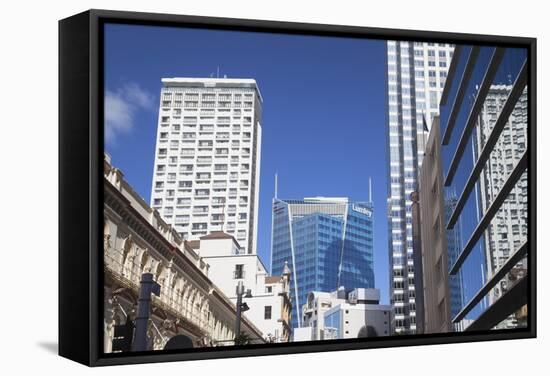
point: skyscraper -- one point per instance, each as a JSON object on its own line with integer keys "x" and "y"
{"x": 416, "y": 76}
{"x": 485, "y": 155}
{"x": 207, "y": 161}
{"x": 327, "y": 242}
{"x": 508, "y": 229}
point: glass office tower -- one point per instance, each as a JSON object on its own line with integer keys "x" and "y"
{"x": 484, "y": 120}
{"x": 327, "y": 242}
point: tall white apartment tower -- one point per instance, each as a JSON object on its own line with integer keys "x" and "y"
{"x": 508, "y": 229}
{"x": 416, "y": 75}
{"x": 207, "y": 160}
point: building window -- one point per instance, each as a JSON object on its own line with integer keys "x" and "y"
{"x": 267, "y": 313}
{"x": 239, "y": 271}
{"x": 269, "y": 289}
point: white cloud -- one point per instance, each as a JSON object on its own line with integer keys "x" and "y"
{"x": 121, "y": 108}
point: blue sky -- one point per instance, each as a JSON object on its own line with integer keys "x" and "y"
{"x": 323, "y": 112}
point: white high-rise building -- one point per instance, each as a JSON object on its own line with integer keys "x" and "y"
{"x": 508, "y": 229}
{"x": 207, "y": 160}
{"x": 416, "y": 76}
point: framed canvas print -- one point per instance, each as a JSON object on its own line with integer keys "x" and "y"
{"x": 237, "y": 187}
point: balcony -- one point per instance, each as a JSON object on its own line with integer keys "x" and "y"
{"x": 187, "y": 153}
{"x": 127, "y": 274}
{"x": 204, "y": 160}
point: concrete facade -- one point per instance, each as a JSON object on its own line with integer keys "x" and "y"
{"x": 207, "y": 161}
{"x": 270, "y": 305}
{"x": 341, "y": 315}
{"x": 435, "y": 262}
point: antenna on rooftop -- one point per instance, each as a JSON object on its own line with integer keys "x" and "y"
{"x": 218, "y": 72}
{"x": 370, "y": 189}
{"x": 276, "y": 184}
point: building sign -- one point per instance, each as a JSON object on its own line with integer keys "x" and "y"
{"x": 362, "y": 210}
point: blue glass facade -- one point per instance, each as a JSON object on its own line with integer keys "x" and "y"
{"x": 327, "y": 244}
{"x": 454, "y": 246}
{"x": 484, "y": 152}
{"x": 333, "y": 327}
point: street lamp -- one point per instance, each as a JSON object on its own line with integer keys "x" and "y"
{"x": 241, "y": 307}
{"x": 147, "y": 287}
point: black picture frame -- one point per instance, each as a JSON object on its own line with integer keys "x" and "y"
{"x": 81, "y": 168}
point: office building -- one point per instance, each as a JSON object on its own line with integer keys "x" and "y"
{"x": 207, "y": 159}
{"x": 269, "y": 299}
{"x": 340, "y": 315}
{"x": 416, "y": 73}
{"x": 484, "y": 161}
{"x": 328, "y": 243}
{"x": 417, "y": 255}
{"x": 435, "y": 260}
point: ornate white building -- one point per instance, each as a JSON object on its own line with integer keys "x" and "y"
{"x": 137, "y": 241}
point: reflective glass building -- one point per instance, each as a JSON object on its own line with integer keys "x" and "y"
{"x": 454, "y": 246}
{"x": 327, "y": 242}
{"x": 484, "y": 121}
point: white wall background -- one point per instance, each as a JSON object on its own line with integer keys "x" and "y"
{"x": 28, "y": 188}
